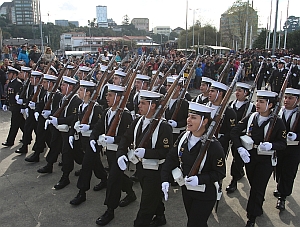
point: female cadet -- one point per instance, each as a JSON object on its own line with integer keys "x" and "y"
{"x": 288, "y": 160}
{"x": 257, "y": 154}
{"x": 199, "y": 192}
{"x": 202, "y": 98}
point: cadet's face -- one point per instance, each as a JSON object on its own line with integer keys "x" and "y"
{"x": 193, "y": 122}
{"x": 203, "y": 87}
{"x": 168, "y": 86}
{"x": 65, "y": 89}
{"x": 80, "y": 74}
{"x": 212, "y": 94}
{"x": 261, "y": 105}
{"x": 10, "y": 75}
{"x": 138, "y": 85}
{"x": 81, "y": 92}
{"x": 111, "y": 99}
{"x": 22, "y": 75}
{"x": 143, "y": 107}
{"x": 34, "y": 80}
{"x": 240, "y": 94}
{"x": 45, "y": 84}
{"x": 290, "y": 101}
{"x": 116, "y": 80}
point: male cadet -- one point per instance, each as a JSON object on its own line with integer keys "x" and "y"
{"x": 151, "y": 211}
{"x": 294, "y": 74}
{"x": 52, "y": 71}
{"x": 288, "y": 159}
{"x": 91, "y": 161}
{"x": 239, "y": 105}
{"x": 274, "y": 61}
{"x": 179, "y": 122}
{"x": 30, "y": 122}
{"x": 63, "y": 122}
{"x": 17, "y": 120}
{"x": 82, "y": 72}
{"x": 43, "y": 136}
{"x": 141, "y": 83}
{"x": 263, "y": 71}
{"x": 157, "y": 83}
{"x": 202, "y": 98}
{"x": 216, "y": 94}
{"x": 277, "y": 77}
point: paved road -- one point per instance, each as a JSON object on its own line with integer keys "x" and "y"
{"x": 28, "y": 198}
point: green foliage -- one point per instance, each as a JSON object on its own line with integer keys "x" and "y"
{"x": 293, "y": 41}
{"x": 260, "y": 41}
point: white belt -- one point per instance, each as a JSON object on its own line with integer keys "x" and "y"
{"x": 112, "y": 147}
{"x": 219, "y": 135}
{"x": 178, "y": 130}
{"x": 152, "y": 164}
{"x": 291, "y": 143}
{"x": 63, "y": 128}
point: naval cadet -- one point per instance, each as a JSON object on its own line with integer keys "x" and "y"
{"x": 277, "y": 77}
{"x": 205, "y": 84}
{"x": 257, "y": 153}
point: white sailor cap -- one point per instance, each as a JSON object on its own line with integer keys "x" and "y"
{"x": 199, "y": 109}
{"x": 36, "y": 73}
{"x": 50, "y": 77}
{"x": 273, "y": 56}
{"x": 53, "y": 69}
{"x": 86, "y": 83}
{"x": 84, "y": 68}
{"x": 103, "y": 68}
{"x": 9, "y": 68}
{"x": 120, "y": 73}
{"x": 171, "y": 79}
{"x": 69, "y": 80}
{"x": 115, "y": 88}
{"x": 243, "y": 85}
{"x": 261, "y": 57}
{"x": 219, "y": 85}
{"x": 149, "y": 95}
{"x": 287, "y": 56}
{"x": 266, "y": 94}
{"x": 24, "y": 68}
{"x": 206, "y": 80}
{"x": 292, "y": 91}
{"x": 269, "y": 59}
{"x": 281, "y": 62}
{"x": 160, "y": 74}
{"x": 142, "y": 77}
{"x": 70, "y": 66}
{"x": 295, "y": 58}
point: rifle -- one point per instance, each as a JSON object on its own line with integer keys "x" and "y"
{"x": 66, "y": 101}
{"x": 25, "y": 87}
{"x": 130, "y": 71}
{"x": 251, "y": 91}
{"x": 274, "y": 115}
{"x": 121, "y": 107}
{"x": 184, "y": 89}
{"x": 48, "y": 66}
{"x": 161, "y": 109}
{"x": 38, "y": 91}
{"x": 153, "y": 80}
{"x": 165, "y": 77}
{"x": 214, "y": 125}
{"x": 75, "y": 70}
{"x": 38, "y": 62}
{"x": 145, "y": 65}
{"x": 222, "y": 74}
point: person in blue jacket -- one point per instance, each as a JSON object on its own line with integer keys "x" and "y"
{"x": 23, "y": 55}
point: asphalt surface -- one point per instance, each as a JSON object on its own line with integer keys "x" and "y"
{"x": 28, "y": 198}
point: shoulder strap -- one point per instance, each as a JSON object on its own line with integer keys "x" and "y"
{"x": 135, "y": 131}
{"x": 250, "y": 120}
{"x": 184, "y": 136}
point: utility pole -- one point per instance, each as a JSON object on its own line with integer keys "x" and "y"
{"x": 275, "y": 28}
{"x": 186, "y": 31}
{"x": 285, "y": 32}
{"x": 246, "y": 32}
{"x": 41, "y": 27}
{"x": 269, "y": 38}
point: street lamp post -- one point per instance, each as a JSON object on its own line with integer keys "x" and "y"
{"x": 186, "y": 31}
{"x": 275, "y": 28}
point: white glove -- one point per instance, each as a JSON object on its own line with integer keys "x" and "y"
{"x": 84, "y": 127}
{"x": 109, "y": 139}
{"x": 53, "y": 120}
{"x": 46, "y": 113}
{"x": 4, "y": 107}
{"x": 165, "y": 188}
{"x": 172, "y": 123}
{"x": 245, "y": 156}
{"x": 22, "y": 111}
{"x": 265, "y": 146}
{"x": 26, "y": 112}
{"x": 20, "y": 101}
{"x": 36, "y": 116}
{"x": 71, "y": 141}
{"x": 292, "y": 136}
{"x": 294, "y": 74}
{"x": 252, "y": 75}
{"x": 47, "y": 122}
{"x": 140, "y": 152}
{"x": 122, "y": 162}
{"x": 192, "y": 181}
{"x": 268, "y": 72}
{"x": 92, "y": 144}
{"x": 31, "y": 105}
{"x": 17, "y": 97}
{"x": 101, "y": 140}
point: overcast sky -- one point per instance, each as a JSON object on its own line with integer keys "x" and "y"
{"x": 160, "y": 12}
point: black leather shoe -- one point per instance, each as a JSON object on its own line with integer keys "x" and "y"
{"x": 63, "y": 182}
{"x": 280, "y": 204}
{"x": 77, "y": 173}
{"x": 158, "y": 220}
{"x": 134, "y": 178}
{"x": 80, "y": 198}
{"x": 232, "y": 186}
{"x": 127, "y": 200}
{"x": 276, "y": 193}
{"x": 22, "y": 150}
{"x": 250, "y": 224}
{"x": 6, "y": 144}
{"x": 35, "y": 157}
{"x": 46, "y": 169}
{"x": 105, "y": 218}
{"x": 100, "y": 186}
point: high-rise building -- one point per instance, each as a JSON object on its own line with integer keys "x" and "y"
{"x": 6, "y": 10}
{"x": 64, "y": 23}
{"x": 101, "y": 12}
{"x": 141, "y": 23}
{"x": 26, "y": 11}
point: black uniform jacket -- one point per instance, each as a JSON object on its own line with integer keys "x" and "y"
{"x": 99, "y": 128}
{"x": 71, "y": 109}
{"x": 277, "y": 78}
{"x": 14, "y": 87}
{"x": 239, "y": 112}
{"x": 181, "y": 115}
{"x": 39, "y": 107}
{"x": 213, "y": 170}
{"x": 278, "y": 135}
{"x": 163, "y": 144}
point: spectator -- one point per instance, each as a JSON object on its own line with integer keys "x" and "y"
{"x": 5, "y": 51}
{"x": 34, "y": 54}
{"x": 49, "y": 55}
{"x": 198, "y": 76}
{"x": 23, "y": 55}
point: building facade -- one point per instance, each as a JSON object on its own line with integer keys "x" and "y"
{"x": 64, "y": 23}
{"x": 101, "y": 13}
{"x": 141, "y": 23}
{"x": 162, "y": 30}
{"x": 26, "y": 12}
